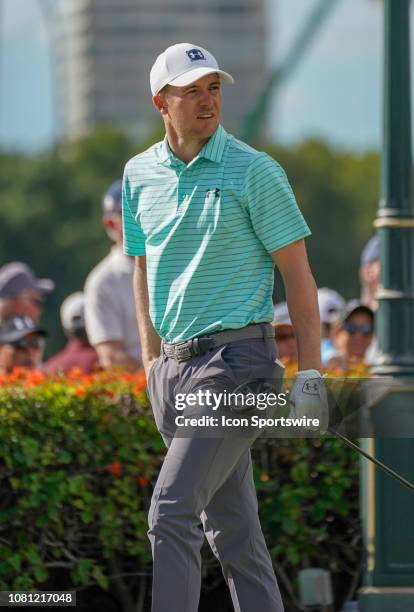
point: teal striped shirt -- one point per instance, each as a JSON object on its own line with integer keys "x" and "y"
{"x": 208, "y": 229}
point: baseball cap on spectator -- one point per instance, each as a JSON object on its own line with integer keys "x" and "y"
{"x": 330, "y": 304}
{"x": 112, "y": 200}
{"x": 181, "y": 65}
{"x": 354, "y": 306}
{"x": 16, "y": 277}
{"x": 370, "y": 251}
{"x": 72, "y": 312}
{"x": 16, "y": 328}
{"x": 281, "y": 315}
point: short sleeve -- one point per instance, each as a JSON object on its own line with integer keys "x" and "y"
{"x": 134, "y": 239}
{"x": 275, "y": 215}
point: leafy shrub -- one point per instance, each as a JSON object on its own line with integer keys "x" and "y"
{"x": 78, "y": 459}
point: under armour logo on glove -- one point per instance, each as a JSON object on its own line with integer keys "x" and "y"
{"x": 311, "y": 387}
{"x": 308, "y": 398}
{"x": 195, "y": 55}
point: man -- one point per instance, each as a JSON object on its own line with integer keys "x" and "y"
{"x": 285, "y": 334}
{"x": 21, "y": 293}
{"x": 331, "y": 305}
{"x": 22, "y": 344}
{"x": 369, "y": 276}
{"x": 369, "y": 272}
{"x": 77, "y": 353}
{"x": 110, "y": 317}
{"x": 206, "y": 217}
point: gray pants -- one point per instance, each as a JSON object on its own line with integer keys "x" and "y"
{"x": 208, "y": 481}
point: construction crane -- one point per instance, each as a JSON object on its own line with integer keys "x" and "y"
{"x": 253, "y": 123}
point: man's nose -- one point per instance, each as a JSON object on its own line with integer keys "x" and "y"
{"x": 206, "y": 98}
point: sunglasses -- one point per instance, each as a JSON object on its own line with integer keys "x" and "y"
{"x": 353, "y": 328}
{"x": 37, "y": 342}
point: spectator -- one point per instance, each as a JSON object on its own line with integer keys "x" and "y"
{"x": 22, "y": 344}
{"x": 369, "y": 273}
{"x": 331, "y": 304}
{"x": 77, "y": 352}
{"x": 352, "y": 334}
{"x": 110, "y": 315}
{"x": 284, "y": 334}
{"x": 21, "y": 293}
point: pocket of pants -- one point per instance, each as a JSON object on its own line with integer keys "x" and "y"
{"x": 151, "y": 374}
{"x": 237, "y": 361}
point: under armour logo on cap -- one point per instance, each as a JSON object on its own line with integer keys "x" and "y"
{"x": 195, "y": 55}
{"x": 182, "y": 64}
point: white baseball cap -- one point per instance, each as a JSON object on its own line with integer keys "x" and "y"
{"x": 181, "y": 65}
{"x": 330, "y": 304}
{"x": 72, "y": 313}
{"x": 281, "y": 315}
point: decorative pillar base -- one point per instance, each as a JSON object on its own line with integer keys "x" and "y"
{"x": 386, "y": 599}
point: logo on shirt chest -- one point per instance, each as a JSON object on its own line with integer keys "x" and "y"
{"x": 212, "y": 193}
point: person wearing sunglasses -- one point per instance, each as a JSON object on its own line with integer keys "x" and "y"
{"x": 22, "y": 344}
{"x": 21, "y": 293}
{"x": 352, "y": 333}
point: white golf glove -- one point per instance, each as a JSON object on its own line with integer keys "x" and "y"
{"x": 308, "y": 398}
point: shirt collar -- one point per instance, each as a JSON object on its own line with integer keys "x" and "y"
{"x": 165, "y": 153}
{"x": 213, "y": 150}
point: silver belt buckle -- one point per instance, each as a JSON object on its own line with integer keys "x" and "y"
{"x": 183, "y": 351}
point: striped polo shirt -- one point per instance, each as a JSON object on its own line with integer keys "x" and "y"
{"x": 208, "y": 229}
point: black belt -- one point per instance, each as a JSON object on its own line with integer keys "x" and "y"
{"x": 198, "y": 346}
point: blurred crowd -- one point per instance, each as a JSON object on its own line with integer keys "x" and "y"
{"x": 100, "y": 325}
{"x": 99, "y": 322}
{"x": 347, "y": 328}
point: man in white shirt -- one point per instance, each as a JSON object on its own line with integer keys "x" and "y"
{"x": 110, "y": 316}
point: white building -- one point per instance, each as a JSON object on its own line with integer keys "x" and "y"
{"x": 107, "y": 47}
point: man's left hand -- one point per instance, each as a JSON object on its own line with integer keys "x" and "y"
{"x": 308, "y": 398}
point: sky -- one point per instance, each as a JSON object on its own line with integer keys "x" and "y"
{"x": 335, "y": 93}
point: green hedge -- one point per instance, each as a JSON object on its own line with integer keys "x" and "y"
{"x": 78, "y": 459}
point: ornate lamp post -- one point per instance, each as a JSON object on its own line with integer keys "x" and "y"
{"x": 388, "y": 508}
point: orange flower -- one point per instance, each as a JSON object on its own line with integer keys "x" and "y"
{"x": 80, "y": 392}
{"x": 34, "y": 378}
{"x": 142, "y": 482}
{"x": 17, "y": 374}
{"x": 74, "y": 374}
{"x": 264, "y": 477}
{"x": 115, "y": 468}
{"x": 127, "y": 377}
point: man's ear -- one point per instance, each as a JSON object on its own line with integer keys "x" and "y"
{"x": 160, "y": 104}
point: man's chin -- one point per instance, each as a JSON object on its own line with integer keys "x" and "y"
{"x": 207, "y": 130}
